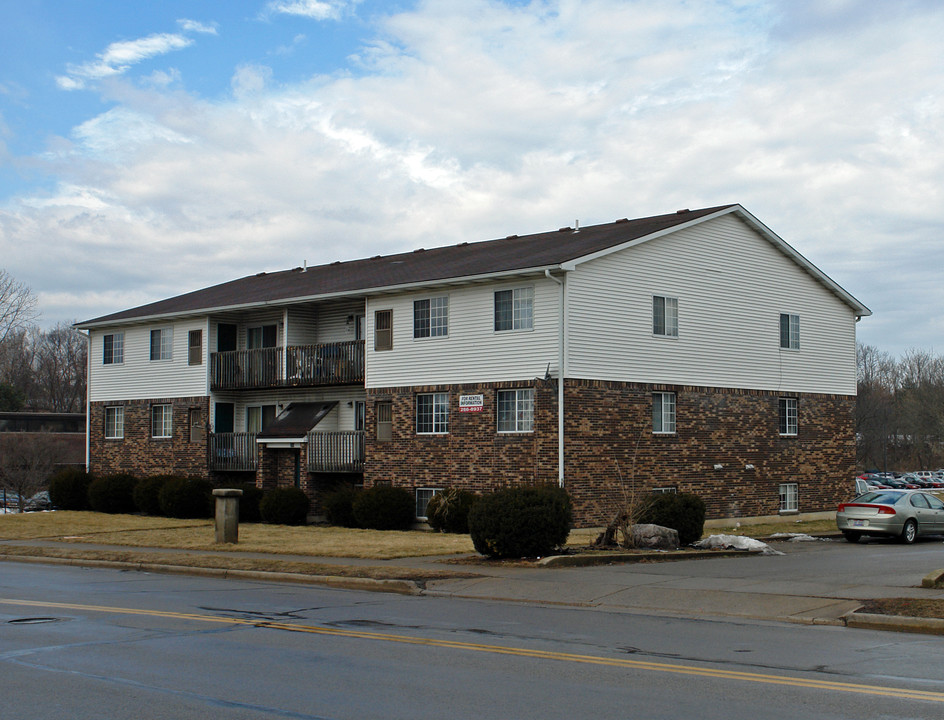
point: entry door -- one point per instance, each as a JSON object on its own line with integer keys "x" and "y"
{"x": 225, "y": 337}
{"x": 223, "y": 417}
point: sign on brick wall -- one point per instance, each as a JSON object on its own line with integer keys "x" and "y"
{"x": 471, "y": 403}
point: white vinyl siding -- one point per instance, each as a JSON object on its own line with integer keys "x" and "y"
{"x": 734, "y": 284}
{"x": 473, "y": 351}
{"x": 138, "y": 378}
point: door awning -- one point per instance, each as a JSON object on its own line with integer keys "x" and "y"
{"x": 293, "y": 424}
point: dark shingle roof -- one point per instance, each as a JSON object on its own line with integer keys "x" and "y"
{"x": 541, "y": 250}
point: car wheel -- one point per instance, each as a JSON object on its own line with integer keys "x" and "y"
{"x": 851, "y": 536}
{"x": 909, "y": 532}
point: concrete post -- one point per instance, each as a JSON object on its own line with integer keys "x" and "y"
{"x": 227, "y": 515}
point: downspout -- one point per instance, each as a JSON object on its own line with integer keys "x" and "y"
{"x": 560, "y": 381}
{"x": 88, "y": 402}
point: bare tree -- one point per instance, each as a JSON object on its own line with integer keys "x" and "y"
{"x": 26, "y": 462}
{"x": 60, "y": 369}
{"x": 17, "y": 305}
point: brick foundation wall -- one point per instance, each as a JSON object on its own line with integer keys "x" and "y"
{"x": 608, "y": 432}
{"x": 140, "y": 454}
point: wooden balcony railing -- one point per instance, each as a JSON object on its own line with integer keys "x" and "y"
{"x": 233, "y": 451}
{"x": 341, "y": 452}
{"x": 304, "y": 366}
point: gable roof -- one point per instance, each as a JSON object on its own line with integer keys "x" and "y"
{"x": 560, "y": 249}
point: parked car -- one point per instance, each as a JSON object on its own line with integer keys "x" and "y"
{"x": 877, "y": 483}
{"x": 899, "y": 484}
{"x": 905, "y": 514}
{"x": 39, "y": 501}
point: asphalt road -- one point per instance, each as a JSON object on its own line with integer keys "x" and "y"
{"x": 89, "y": 643}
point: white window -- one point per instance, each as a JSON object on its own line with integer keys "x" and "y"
{"x": 432, "y": 413}
{"x": 259, "y": 417}
{"x": 263, "y": 336}
{"x": 663, "y": 412}
{"x": 162, "y": 344}
{"x": 516, "y": 411}
{"x": 788, "y": 416}
{"x": 789, "y": 497}
{"x": 514, "y": 309}
{"x": 384, "y": 411}
{"x": 664, "y": 316}
{"x": 423, "y": 496}
{"x": 161, "y": 421}
{"x": 195, "y": 347}
{"x": 383, "y": 330}
{"x": 113, "y": 349}
{"x": 789, "y": 331}
{"x": 114, "y": 423}
{"x": 431, "y": 317}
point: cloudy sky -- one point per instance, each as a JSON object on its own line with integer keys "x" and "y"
{"x": 149, "y": 149}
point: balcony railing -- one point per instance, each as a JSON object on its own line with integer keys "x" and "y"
{"x": 303, "y": 365}
{"x": 341, "y": 452}
{"x": 233, "y": 451}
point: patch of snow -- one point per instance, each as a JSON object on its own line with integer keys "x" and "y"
{"x": 795, "y": 537}
{"x": 735, "y": 542}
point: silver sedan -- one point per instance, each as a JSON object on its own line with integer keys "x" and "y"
{"x": 904, "y": 514}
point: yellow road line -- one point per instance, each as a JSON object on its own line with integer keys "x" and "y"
{"x": 904, "y": 693}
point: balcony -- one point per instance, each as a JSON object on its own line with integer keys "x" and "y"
{"x": 299, "y": 366}
{"x": 336, "y": 452}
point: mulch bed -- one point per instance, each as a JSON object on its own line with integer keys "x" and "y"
{"x": 906, "y": 607}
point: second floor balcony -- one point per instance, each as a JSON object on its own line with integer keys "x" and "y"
{"x": 295, "y": 366}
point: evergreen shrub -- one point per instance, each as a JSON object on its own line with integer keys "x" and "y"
{"x": 385, "y": 507}
{"x": 147, "y": 494}
{"x": 448, "y": 510}
{"x": 249, "y": 503}
{"x": 684, "y": 512}
{"x": 112, "y": 494}
{"x": 285, "y": 506}
{"x": 68, "y": 489}
{"x": 521, "y": 522}
{"x": 339, "y": 507}
{"x": 186, "y": 498}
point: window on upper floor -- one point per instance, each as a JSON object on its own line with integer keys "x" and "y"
{"x": 431, "y": 317}
{"x": 113, "y": 349}
{"x": 664, "y": 316}
{"x": 789, "y": 331}
{"x": 161, "y": 421}
{"x": 259, "y": 417}
{"x": 514, "y": 309}
{"x": 663, "y": 413}
{"x": 516, "y": 411}
{"x": 383, "y": 330}
{"x": 262, "y": 336}
{"x": 195, "y": 347}
{"x": 114, "y": 423}
{"x": 788, "y": 416}
{"x": 432, "y": 414}
{"x": 162, "y": 344}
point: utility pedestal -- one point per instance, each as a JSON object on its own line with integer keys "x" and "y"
{"x": 227, "y": 515}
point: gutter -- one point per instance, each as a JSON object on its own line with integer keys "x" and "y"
{"x": 561, "y": 357}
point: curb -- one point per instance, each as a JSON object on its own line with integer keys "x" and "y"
{"x": 607, "y": 558}
{"x": 896, "y": 623}
{"x": 400, "y": 587}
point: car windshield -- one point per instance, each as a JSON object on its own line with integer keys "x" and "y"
{"x": 881, "y": 497}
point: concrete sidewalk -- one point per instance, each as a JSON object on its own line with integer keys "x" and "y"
{"x": 809, "y": 584}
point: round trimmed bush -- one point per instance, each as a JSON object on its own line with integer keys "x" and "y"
{"x": 68, "y": 489}
{"x": 112, "y": 494}
{"x": 285, "y": 506}
{"x": 186, "y": 498}
{"x": 448, "y": 511}
{"x": 683, "y": 512}
{"x": 521, "y": 522}
{"x": 384, "y": 507}
{"x": 147, "y": 494}
{"x": 339, "y": 507}
{"x": 249, "y": 503}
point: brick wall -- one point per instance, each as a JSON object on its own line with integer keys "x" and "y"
{"x": 140, "y": 454}
{"x": 611, "y": 448}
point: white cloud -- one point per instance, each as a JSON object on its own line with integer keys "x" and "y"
{"x": 472, "y": 119}
{"x": 197, "y": 26}
{"x": 118, "y": 58}
{"x": 313, "y": 9}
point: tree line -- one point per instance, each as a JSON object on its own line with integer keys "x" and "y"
{"x": 40, "y": 370}
{"x": 899, "y": 410}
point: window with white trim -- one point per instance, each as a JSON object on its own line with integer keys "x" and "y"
{"x": 789, "y": 331}
{"x": 516, "y": 411}
{"x": 789, "y": 497}
{"x": 514, "y": 309}
{"x": 113, "y": 349}
{"x": 162, "y": 344}
{"x": 423, "y": 496}
{"x": 114, "y": 423}
{"x": 663, "y": 413}
{"x": 431, "y": 317}
{"x": 195, "y": 347}
{"x": 788, "y": 416}
{"x": 161, "y": 421}
{"x": 383, "y": 330}
{"x": 432, "y": 414}
{"x": 664, "y": 316}
{"x": 384, "y": 410}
